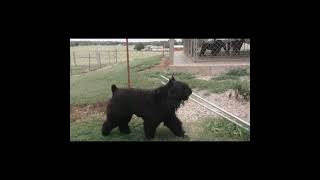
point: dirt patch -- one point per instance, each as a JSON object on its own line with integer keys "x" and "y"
{"x": 206, "y": 78}
{"x": 84, "y": 110}
{"x": 164, "y": 62}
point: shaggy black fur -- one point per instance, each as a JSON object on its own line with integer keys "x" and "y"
{"x": 153, "y": 106}
{"x": 235, "y": 46}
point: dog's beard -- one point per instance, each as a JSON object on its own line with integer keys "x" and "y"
{"x": 175, "y": 104}
{"x": 182, "y": 102}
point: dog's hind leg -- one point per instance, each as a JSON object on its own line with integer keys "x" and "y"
{"x": 203, "y": 50}
{"x": 150, "y": 128}
{"x": 123, "y": 124}
{"x": 108, "y": 125}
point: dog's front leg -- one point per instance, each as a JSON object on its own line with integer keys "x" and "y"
{"x": 175, "y": 125}
{"x": 149, "y": 129}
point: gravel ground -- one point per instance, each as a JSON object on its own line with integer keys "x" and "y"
{"x": 192, "y": 111}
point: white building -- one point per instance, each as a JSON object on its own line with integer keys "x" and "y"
{"x": 153, "y": 48}
{"x": 178, "y": 47}
{"x": 156, "y": 48}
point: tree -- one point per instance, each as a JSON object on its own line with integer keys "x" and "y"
{"x": 166, "y": 44}
{"x": 139, "y": 46}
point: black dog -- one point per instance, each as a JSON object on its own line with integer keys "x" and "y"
{"x": 214, "y": 46}
{"x": 153, "y": 106}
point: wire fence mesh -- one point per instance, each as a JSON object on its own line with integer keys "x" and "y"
{"x": 86, "y": 59}
{"x": 211, "y": 48}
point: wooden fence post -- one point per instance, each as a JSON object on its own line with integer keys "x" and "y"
{"x": 74, "y": 58}
{"x": 70, "y": 65}
{"x": 109, "y": 56}
{"x": 98, "y": 58}
{"x": 163, "y": 50}
{"x": 128, "y": 66}
{"x": 89, "y": 60}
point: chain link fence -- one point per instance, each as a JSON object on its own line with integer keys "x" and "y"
{"x": 198, "y": 49}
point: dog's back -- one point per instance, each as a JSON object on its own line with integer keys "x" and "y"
{"x": 132, "y": 99}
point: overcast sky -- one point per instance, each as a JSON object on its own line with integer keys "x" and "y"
{"x": 123, "y": 40}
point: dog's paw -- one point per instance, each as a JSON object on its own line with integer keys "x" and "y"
{"x": 125, "y": 131}
{"x": 105, "y": 133}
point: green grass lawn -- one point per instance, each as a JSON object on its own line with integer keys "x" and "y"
{"x": 79, "y": 69}
{"x": 95, "y": 86}
{"x": 208, "y": 129}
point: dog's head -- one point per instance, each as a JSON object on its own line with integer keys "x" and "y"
{"x": 178, "y": 90}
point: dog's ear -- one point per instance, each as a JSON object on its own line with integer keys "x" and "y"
{"x": 172, "y": 78}
{"x": 113, "y": 88}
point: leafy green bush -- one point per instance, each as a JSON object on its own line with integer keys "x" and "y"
{"x": 243, "y": 88}
{"x": 237, "y": 72}
{"x": 139, "y": 46}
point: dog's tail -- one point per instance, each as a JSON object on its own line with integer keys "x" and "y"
{"x": 113, "y": 88}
